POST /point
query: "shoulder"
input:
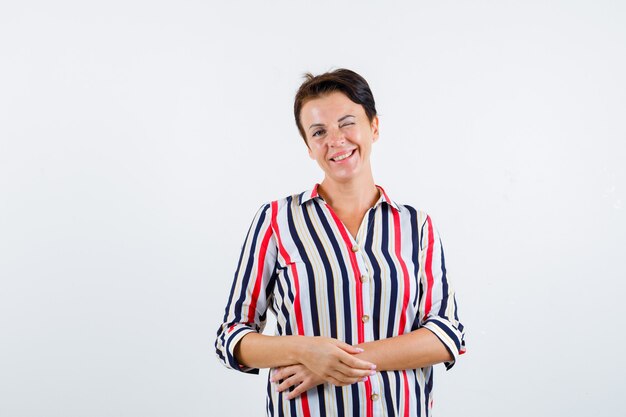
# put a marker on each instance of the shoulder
(416, 214)
(285, 204)
(420, 222)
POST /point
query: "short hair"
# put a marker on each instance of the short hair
(342, 80)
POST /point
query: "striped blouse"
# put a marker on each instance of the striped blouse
(300, 262)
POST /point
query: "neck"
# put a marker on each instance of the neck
(356, 195)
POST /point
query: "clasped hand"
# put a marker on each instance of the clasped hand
(322, 359)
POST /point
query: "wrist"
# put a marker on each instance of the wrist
(296, 349)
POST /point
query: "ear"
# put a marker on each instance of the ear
(374, 126)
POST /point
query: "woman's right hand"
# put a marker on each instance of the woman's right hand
(334, 361)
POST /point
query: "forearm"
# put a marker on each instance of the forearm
(330, 359)
(262, 351)
(413, 350)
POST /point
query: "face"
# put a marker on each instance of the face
(339, 136)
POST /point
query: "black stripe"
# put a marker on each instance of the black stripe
(292, 406)
(418, 392)
(393, 273)
(340, 405)
(283, 308)
(321, 399)
(391, 411)
(281, 404)
(427, 389)
(414, 250)
(328, 272)
(356, 411)
(396, 375)
(345, 278)
(444, 285)
(269, 405)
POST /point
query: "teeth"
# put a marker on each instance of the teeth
(342, 157)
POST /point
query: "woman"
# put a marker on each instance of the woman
(357, 282)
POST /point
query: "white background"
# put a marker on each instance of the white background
(137, 139)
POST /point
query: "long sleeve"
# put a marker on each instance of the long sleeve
(437, 304)
(250, 293)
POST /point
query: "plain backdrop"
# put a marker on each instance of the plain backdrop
(137, 140)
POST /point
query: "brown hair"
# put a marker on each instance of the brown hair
(343, 80)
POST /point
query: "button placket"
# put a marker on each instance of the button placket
(365, 280)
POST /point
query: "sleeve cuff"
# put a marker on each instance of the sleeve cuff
(234, 336)
(449, 336)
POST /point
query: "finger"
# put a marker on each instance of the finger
(343, 381)
(356, 363)
(349, 348)
(347, 379)
(353, 372)
(299, 390)
(287, 383)
(283, 372)
(339, 383)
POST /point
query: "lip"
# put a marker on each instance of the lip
(349, 151)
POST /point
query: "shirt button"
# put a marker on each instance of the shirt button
(375, 397)
(365, 318)
(364, 278)
(355, 248)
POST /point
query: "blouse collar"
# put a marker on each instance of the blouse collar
(384, 198)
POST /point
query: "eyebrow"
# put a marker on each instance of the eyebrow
(322, 124)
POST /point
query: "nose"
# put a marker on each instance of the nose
(336, 137)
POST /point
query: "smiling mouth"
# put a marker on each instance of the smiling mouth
(342, 157)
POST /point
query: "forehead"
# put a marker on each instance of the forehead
(329, 106)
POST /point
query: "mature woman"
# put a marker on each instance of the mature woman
(357, 281)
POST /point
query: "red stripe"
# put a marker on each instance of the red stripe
(314, 192)
(429, 269)
(384, 194)
(296, 301)
(359, 301)
(259, 275)
(406, 394)
(405, 271)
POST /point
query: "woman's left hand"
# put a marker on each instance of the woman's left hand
(295, 375)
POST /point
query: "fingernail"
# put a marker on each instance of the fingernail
(373, 366)
(363, 379)
(373, 373)
(360, 350)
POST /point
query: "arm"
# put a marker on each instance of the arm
(437, 335)
(240, 344)
(250, 293)
(330, 359)
(417, 349)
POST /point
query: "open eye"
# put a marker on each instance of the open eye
(318, 133)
